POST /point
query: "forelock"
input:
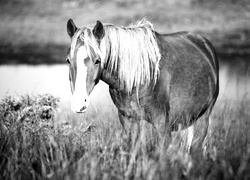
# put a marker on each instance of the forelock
(90, 42)
(74, 42)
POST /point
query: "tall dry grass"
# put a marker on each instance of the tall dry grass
(34, 146)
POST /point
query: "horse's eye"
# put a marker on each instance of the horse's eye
(97, 61)
(68, 61)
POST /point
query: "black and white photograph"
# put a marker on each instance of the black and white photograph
(124, 89)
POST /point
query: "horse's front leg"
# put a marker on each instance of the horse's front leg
(131, 129)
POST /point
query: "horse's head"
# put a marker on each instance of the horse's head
(84, 64)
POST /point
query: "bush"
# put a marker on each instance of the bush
(33, 113)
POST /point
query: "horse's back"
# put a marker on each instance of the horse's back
(189, 76)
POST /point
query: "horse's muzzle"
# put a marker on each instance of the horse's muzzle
(81, 110)
(79, 106)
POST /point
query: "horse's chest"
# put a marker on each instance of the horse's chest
(128, 105)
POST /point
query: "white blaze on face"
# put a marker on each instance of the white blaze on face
(79, 101)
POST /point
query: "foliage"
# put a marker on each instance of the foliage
(31, 114)
(30, 149)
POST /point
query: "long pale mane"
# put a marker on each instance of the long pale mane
(130, 51)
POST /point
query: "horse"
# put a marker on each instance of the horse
(165, 79)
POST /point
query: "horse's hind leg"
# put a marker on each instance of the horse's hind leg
(186, 137)
(201, 130)
(190, 136)
(164, 134)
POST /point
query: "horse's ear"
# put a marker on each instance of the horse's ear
(98, 30)
(71, 28)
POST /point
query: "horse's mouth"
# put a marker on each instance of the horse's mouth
(82, 110)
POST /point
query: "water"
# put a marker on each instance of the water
(234, 82)
(24, 79)
(19, 80)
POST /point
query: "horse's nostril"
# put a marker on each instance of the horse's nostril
(83, 108)
(85, 100)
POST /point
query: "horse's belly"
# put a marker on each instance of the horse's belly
(190, 99)
(190, 92)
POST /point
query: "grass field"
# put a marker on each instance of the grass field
(34, 144)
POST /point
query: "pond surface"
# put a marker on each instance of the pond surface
(24, 79)
(19, 80)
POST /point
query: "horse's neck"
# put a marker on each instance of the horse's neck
(113, 81)
(110, 78)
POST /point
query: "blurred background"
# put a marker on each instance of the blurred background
(33, 39)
